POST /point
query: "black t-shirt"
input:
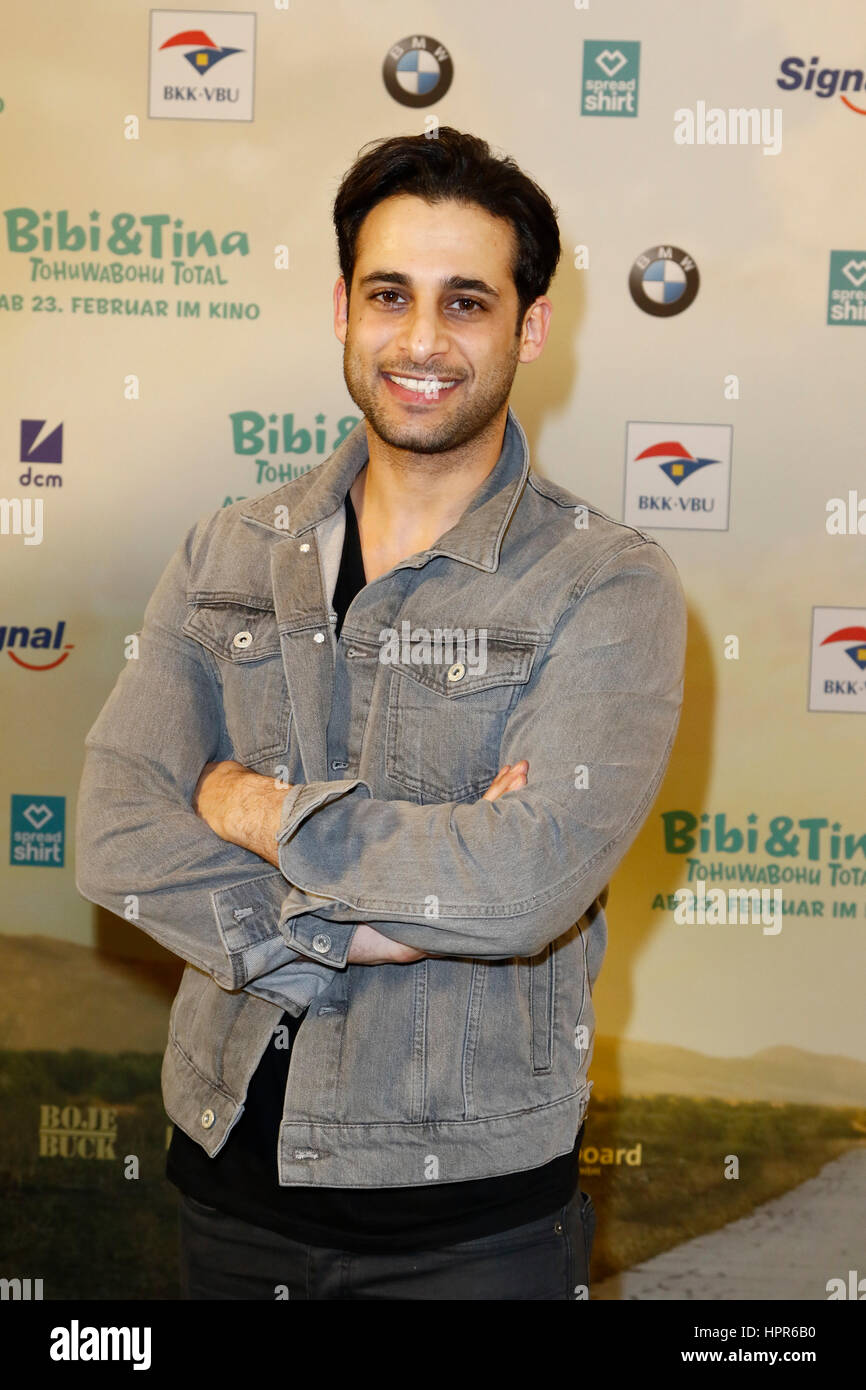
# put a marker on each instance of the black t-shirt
(242, 1179)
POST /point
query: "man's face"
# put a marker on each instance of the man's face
(432, 299)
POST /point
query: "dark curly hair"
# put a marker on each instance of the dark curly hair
(461, 167)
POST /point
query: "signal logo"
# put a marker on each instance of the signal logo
(846, 83)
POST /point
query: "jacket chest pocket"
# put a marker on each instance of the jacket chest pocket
(246, 644)
(446, 720)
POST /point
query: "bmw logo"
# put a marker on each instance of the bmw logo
(418, 71)
(663, 281)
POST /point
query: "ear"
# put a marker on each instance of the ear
(536, 326)
(341, 309)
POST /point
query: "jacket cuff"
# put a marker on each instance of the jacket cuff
(300, 801)
(247, 920)
(310, 935)
(296, 986)
(302, 930)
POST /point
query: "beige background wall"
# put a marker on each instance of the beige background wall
(137, 472)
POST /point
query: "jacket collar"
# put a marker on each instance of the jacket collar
(475, 538)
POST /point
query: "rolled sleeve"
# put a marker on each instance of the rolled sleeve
(306, 797)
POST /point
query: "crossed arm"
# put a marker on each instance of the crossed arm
(244, 808)
(229, 881)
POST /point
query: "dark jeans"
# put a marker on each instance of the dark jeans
(223, 1257)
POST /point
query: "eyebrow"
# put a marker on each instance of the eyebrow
(451, 282)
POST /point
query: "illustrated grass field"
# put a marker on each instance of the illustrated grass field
(90, 1232)
(680, 1191)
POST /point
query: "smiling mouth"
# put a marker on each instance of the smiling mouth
(422, 387)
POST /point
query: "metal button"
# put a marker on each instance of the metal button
(318, 636)
(242, 639)
(305, 547)
(457, 671)
(558, 1228)
(207, 1119)
(322, 943)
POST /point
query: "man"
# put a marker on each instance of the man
(392, 728)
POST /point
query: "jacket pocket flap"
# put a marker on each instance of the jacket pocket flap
(234, 631)
(457, 668)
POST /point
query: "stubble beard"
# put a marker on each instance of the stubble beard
(430, 435)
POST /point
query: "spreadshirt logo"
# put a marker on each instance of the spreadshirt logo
(610, 78)
(846, 293)
(38, 831)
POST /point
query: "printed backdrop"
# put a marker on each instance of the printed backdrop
(166, 269)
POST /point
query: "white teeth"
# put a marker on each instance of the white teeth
(427, 386)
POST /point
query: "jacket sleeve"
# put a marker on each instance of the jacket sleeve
(500, 878)
(141, 850)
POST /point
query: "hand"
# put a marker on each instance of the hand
(370, 947)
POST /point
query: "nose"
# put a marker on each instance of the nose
(422, 332)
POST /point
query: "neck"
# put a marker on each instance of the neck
(405, 501)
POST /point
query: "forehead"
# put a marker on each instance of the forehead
(436, 239)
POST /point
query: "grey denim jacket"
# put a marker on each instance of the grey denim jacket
(471, 1062)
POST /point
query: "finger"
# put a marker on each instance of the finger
(517, 773)
(494, 793)
(512, 771)
(515, 781)
(498, 783)
(508, 778)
